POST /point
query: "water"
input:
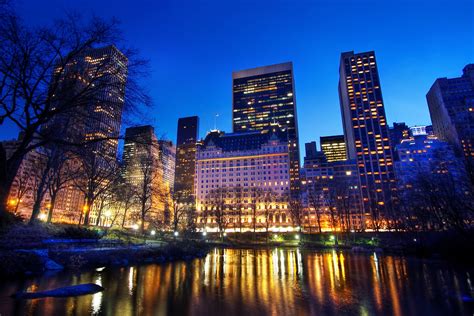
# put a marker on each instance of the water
(259, 282)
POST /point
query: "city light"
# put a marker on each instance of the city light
(135, 226)
(176, 234)
(204, 233)
(153, 232)
(297, 237)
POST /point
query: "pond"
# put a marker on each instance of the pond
(260, 282)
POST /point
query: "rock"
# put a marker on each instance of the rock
(52, 265)
(68, 291)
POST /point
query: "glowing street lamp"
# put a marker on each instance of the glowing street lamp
(176, 234)
(297, 237)
(204, 233)
(153, 232)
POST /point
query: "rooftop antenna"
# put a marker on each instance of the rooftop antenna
(215, 121)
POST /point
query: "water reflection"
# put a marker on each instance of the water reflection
(259, 282)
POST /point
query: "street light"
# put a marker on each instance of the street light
(153, 232)
(297, 237)
(204, 233)
(135, 226)
(176, 234)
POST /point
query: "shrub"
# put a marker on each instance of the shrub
(75, 232)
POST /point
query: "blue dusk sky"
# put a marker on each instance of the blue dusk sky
(193, 47)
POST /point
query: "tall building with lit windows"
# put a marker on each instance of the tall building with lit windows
(334, 147)
(451, 104)
(264, 96)
(366, 133)
(95, 81)
(187, 137)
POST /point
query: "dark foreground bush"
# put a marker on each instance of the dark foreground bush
(76, 232)
(14, 264)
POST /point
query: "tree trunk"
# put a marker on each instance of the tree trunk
(51, 207)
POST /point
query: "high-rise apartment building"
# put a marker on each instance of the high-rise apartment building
(187, 137)
(451, 104)
(366, 132)
(264, 96)
(334, 147)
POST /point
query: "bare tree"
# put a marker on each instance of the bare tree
(217, 203)
(296, 210)
(95, 178)
(62, 173)
(269, 198)
(178, 212)
(34, 65)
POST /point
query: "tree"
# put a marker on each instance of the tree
(34, 65)
(316, 200)
(296, 210)
(148, 190)
(96, 177)
(178, 212)
(62, 173)
(269, 199)
(217, 204)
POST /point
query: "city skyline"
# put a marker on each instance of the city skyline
(315, 66)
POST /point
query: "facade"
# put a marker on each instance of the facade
(264, 96)
(366, 133)
(142, 166)
(243, 181)
(167, 158)
(187, 137)
(425, 154)
(334, 148)
(451, 104)
(420, 130)
(398, 132)
(94, 121)
(331, 194)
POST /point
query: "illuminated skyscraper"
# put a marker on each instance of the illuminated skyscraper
(334, 147)
(188, 133)
(366, 132)
(451, 104)
(263, 96)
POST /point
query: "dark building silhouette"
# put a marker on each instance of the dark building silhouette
(366, 132)
(451, 104)
(263, 96)
(187, 136)
(334, 147)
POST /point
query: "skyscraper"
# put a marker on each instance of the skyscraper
(95, 80)
(366, 132)
(91, 90)
(187, 136)
(263, 96)
(168, 157)
(334, 147)
(451, 104)
(140, 144)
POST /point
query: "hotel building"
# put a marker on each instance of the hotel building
(246, 177)
(264, 96)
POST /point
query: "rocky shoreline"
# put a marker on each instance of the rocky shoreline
(29, 262)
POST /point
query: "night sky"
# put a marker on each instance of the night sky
(194, 46)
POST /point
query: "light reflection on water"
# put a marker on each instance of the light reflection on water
(259, 282)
